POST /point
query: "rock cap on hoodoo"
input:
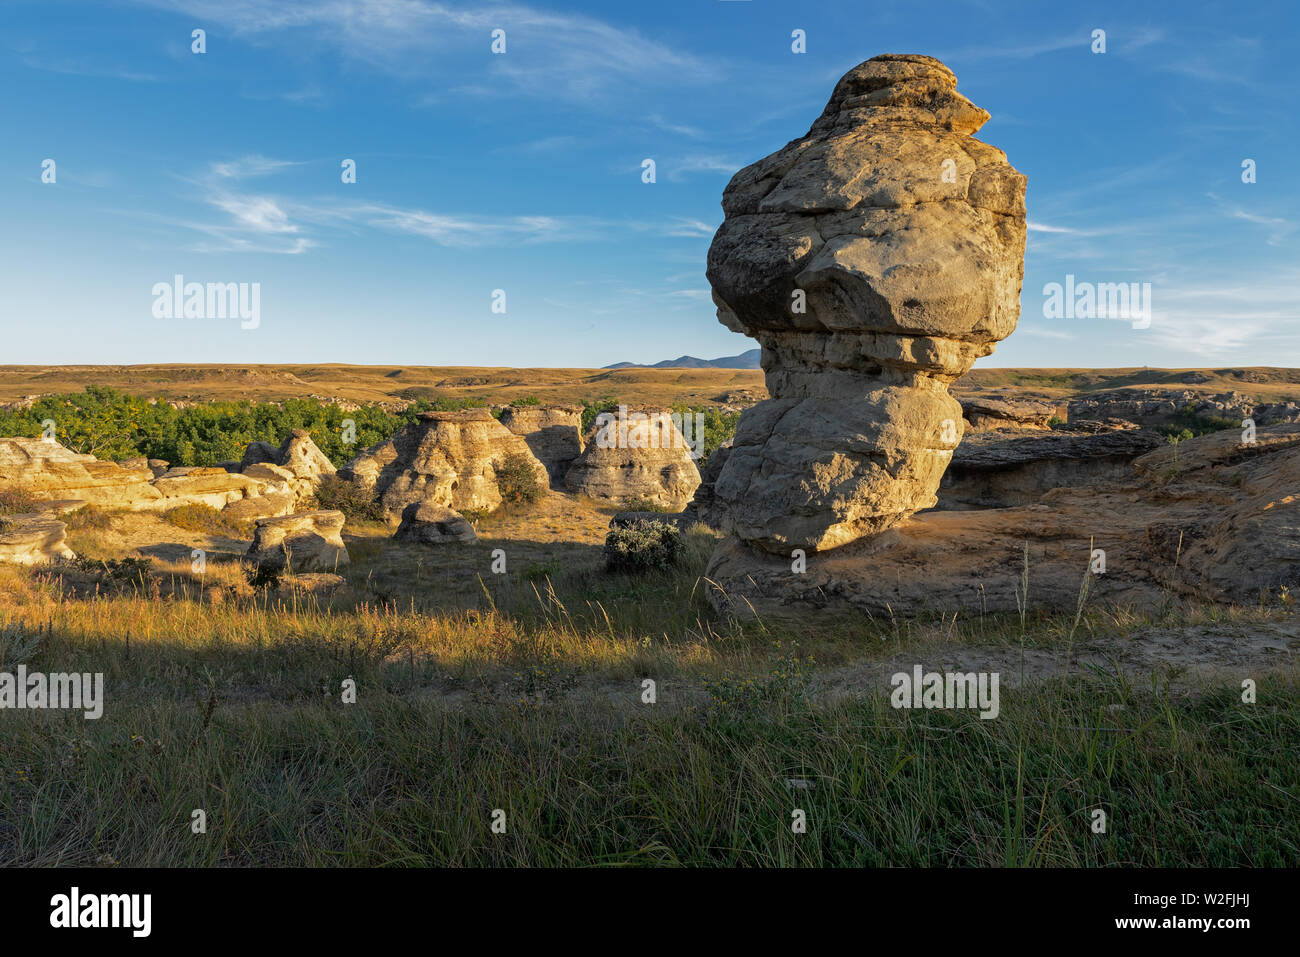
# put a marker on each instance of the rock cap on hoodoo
(903, 88)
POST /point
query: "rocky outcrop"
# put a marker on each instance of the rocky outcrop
(301, 542)
(297, 454)
(431, 524)
(48, 471)
(993, 412)
(1164, 406)
(704, 502)
(1211, 519)
(553, 433)
(875, 259)
(636, 456)
(33, 539)
(999, 469)
(444, 458)
(290, 475)
(201, 486)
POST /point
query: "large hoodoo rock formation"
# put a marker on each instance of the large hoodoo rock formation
(445, 458)
(875, 259)
(636, 456)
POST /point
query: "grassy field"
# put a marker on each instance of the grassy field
(664, 387)
(523, 692)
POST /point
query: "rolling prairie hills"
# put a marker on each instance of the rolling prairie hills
(367, 384)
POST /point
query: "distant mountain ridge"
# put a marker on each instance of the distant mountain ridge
(746, 360)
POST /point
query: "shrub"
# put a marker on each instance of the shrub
(15, 501)
(517, 479)
(715, 429)
(592, 409)
(117, 574)
(642, 546)
(354, 501)
(206, 519)
(88, 516)
(643, 505)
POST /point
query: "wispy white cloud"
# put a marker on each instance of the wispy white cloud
(1034, 227)
(249, 166)
(566, 55)
(261, 221)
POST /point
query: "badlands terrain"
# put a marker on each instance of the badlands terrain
(525, 677)
(369, 616)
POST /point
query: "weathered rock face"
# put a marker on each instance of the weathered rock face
(33, 539)
(303, 541)
(201, 486)
(298, 454)
(445, 458)
(1212, 519)
(1001, 469)
(875, 259)
(642, 457)
(47, 470)
(433, 525)
(553, 433)
(289, 475)
(989, 412)
(703, 503)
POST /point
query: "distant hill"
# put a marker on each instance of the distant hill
(746, 360)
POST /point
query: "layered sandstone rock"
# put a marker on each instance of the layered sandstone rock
(303, 541)
(1000, 469)
(991, 413)
(636, 457)
(290, 475)
(200, 486)
(47, 470)
(1213, 519)
(297, 454)
(444, 458)
(553, 433)
(875, 259)
(431, 524)
(33, 539)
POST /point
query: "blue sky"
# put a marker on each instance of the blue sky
(522, 171)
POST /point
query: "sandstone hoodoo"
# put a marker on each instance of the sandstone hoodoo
(33, 539)
(875, 259)
(301, 542)
(445, 458)
(553, 433)
(431, 524)
(636, 457)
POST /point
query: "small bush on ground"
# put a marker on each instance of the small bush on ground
(352, 500)
(86, 517)
(642, 505)
(642, 546)
(206, 519)
(517, 481)
(15, 501)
